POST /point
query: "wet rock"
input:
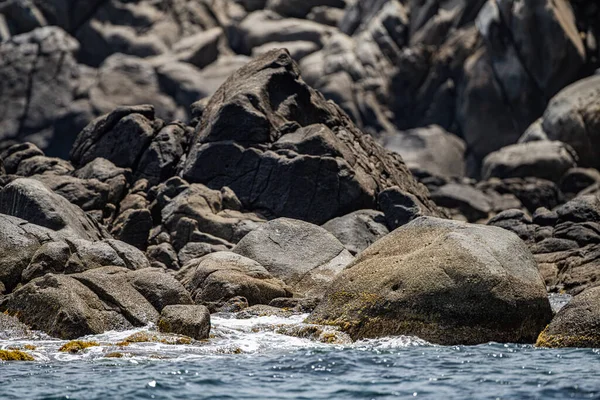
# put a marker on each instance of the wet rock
(541, 159)
(576, 324)
(486, 288)
(358, 230)
(32, 201)
(304, 256)
(189, 320)
(63, 307)
(219, 277)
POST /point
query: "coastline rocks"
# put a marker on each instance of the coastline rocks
(540, 159)
(216, 278)
(431, 149)
(358, 230)
(304, 256)
(188, 320)
(444, 281)
(32, 201)
(38, 84)
(272, 139)
(572, 117)
(93, 302)
(577, 324)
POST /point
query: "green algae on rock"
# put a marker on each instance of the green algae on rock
(577, 324)
(444, 281)
(77, 346)
(15, 355)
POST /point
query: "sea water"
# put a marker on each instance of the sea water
(249, 359)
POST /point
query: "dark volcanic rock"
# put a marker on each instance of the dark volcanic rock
(444, 281)
(342, 169)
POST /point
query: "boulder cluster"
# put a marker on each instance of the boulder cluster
(394, 167)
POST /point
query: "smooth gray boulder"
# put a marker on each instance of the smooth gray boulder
(304, 256)
(358, 230)
(34, 202)
(432, 149)
(219, 277)
(572, 117)
(444, 281)
(540, 159)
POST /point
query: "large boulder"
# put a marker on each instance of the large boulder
(219, 277)
(304, 256)
(272, 139)
(540, 159)
(93, 302)
(189, 320)
(572, 117)
(34, 202)
(447, 282)
(577, 324)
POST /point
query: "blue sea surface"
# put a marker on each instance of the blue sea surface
(275, 366)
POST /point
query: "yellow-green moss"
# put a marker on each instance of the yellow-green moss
(114, 355)
(145, 337)
(77, 346)
(548, 340)
(14, 355)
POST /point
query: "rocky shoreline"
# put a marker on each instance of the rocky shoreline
(393, 168)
